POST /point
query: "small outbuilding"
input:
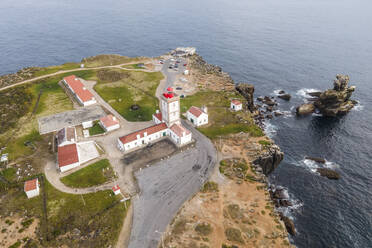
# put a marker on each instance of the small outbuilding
(236, 105)
(31, 188)
(116, 189)
(109, 123)
(197, 116)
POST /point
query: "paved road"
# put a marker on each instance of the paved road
(165, 186)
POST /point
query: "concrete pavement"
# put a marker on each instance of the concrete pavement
(165, 186)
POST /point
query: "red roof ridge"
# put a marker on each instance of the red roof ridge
(179, 129)
(150, 130)
(67, 155)
(31, 185)
(195, 111)
(78, 88)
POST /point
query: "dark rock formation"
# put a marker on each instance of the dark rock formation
(289, 225)
(336, 101)
(278, 113)
(331, 102)
(285, 97)
(247, 91)
(269, 116)
(314, 94)
(270, 159)
(318, 160)
(282, 92)
(269, 108)
(260, 99)
(305, 109)
(330, 174)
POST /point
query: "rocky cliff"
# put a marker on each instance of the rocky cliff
(269, 160)
(247, 90)
(331, 102)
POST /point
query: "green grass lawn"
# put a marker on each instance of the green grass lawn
(92, 175)
(96, 129)
(133, 66)
(108, 59)
(100, 212)
(52, 69)
(222, 120)
(136, 88)
(22, 122)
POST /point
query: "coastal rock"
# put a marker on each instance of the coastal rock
(260, 99)
(269, 116)
(330, 174)
(315, 94)
(269, 108)
(278, 113)
(270, 159)
(336, 101)
(285, 97)
(289, 225)
(247, 90)
(281, 92)
(305, 109)
(318, 160)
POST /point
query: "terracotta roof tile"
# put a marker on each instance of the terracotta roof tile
(195, 111)
(159, 116)
(179, 129)
(109, 121)
(236, 102)
(67, 155)
(150, 130)
(115, 188)
(78, 87)
(31, 184)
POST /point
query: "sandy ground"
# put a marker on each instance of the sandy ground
(239, 204)
(11, 230)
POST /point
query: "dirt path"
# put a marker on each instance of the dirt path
(125, 230)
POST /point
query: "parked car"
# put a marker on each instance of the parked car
(184, 64)
(179, 88)
(170, 67)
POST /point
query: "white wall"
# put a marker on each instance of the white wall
(180, 140)
(68, 167)
(142, 141)
(236, 107)
(33, 193)
(197, 121)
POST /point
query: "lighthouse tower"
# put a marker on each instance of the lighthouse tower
(170, 107)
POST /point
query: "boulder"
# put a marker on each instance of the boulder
(281, 92)
(270, 159)
(330, 174)
(285, 97)
(269, 116)
(260, 99)
(289, 225)
(278, 113)
(318, 160)
(269, 108)
(336, 101)
(247, 90)
(305, 109)
(134, 107)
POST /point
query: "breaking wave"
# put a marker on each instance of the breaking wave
(312, 166)
(303, 93)
(269, 129)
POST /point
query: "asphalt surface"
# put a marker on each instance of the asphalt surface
(165, 186)
(171, 74)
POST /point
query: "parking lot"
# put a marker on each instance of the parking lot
(53, 123)
(150, 154)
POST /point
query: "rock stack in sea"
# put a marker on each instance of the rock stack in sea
(247, 90)
(332, 102)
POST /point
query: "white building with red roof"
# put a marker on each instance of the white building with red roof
(142, 137)
(67, 158)
(116, 190)
(167, 123)
(31, 188)
(66, 136)
(236, 105)
(197, 116)
(84, 96)
(179, 134)
(109, 123)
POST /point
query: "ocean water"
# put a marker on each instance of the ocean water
(294, 45)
